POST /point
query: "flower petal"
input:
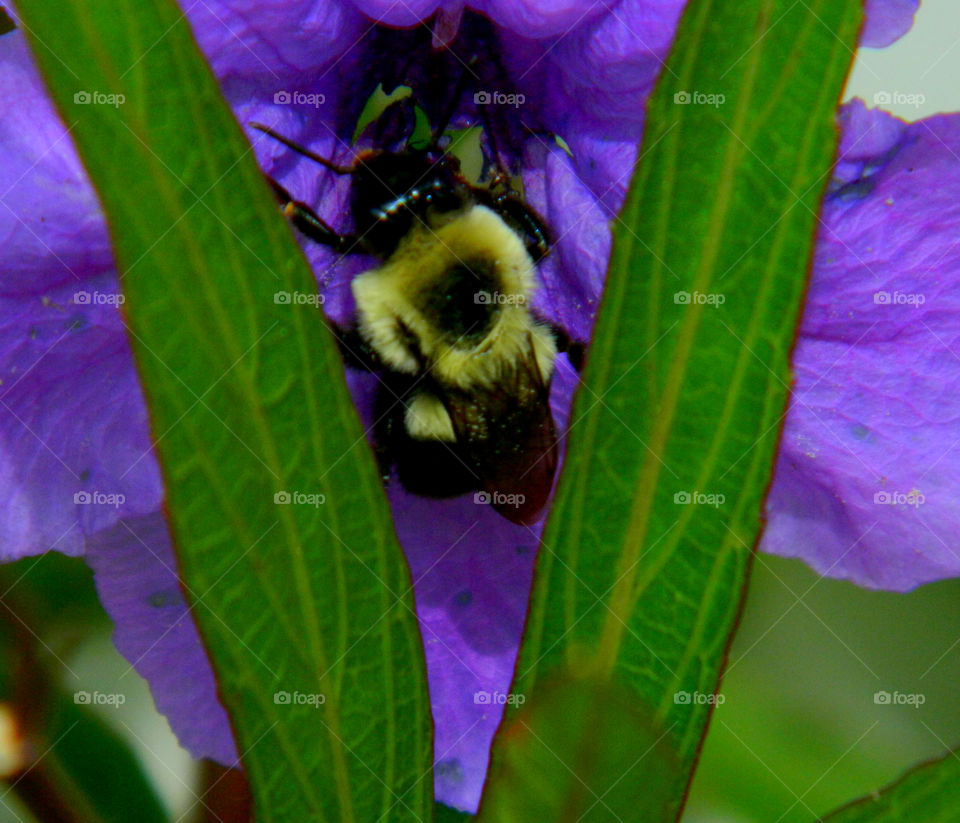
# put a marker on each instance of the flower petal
(399, 13)
(50, 221)
(472, 571)
(869, 465)
(540, 19)
(74, 446)
(265, 43)
(135, 573)
(886, 21)
(74, 441)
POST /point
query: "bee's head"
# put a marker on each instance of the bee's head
(391, 191)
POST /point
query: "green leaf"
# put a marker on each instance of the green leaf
(444, 814)
(673, 436)
(465, 145)
(91, 768)
(377, 103)
(422, 134)
(79, 769)
(577, 755)
(31, 584)
(305, 606)
(925, 794)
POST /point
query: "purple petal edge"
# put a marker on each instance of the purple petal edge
(886, 21)
(866, 478)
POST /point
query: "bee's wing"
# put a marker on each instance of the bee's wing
(508, 434)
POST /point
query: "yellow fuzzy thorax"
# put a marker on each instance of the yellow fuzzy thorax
(391, 295)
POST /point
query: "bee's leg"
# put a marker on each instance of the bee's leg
(388, 412)
(357, 353)
(310, 223)
(527, 221)
(575, 350)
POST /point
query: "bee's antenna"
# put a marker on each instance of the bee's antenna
(327, 164)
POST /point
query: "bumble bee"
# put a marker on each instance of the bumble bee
(445, 322)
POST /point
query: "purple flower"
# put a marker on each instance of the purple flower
(873, 413)
(868, 472)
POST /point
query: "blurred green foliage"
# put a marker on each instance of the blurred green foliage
(76, 767)
(799, 733)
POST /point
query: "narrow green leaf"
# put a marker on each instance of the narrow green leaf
(925, 794)
(673, 435)
(577, 755)
(283, 534)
